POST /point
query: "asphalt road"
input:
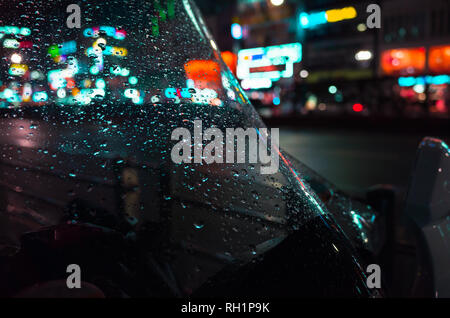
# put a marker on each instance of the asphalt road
(354, 160)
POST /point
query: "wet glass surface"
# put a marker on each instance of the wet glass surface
(85, 137)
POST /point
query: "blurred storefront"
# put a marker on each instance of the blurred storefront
(415, 53)
(335, 51)
(320, 57)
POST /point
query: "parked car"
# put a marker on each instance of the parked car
(86, 176)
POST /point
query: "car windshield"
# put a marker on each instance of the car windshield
(88, 115)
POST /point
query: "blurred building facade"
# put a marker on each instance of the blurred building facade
(415, 55)
(401, 69)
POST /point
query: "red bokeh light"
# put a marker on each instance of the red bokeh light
(358, 108)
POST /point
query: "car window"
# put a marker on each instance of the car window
(87, 117)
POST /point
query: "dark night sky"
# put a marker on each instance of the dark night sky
(213, 6)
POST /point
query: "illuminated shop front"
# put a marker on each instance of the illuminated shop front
(422, 77)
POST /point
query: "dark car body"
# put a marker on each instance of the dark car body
(89, 180)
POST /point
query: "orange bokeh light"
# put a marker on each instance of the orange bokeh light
(204, 73)
(230, 60)
(403, 61)
(439, 59)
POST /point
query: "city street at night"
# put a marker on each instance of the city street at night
(354, 160)
(225, 156)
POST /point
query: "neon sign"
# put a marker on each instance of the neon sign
(422, 80)
(273, 62)
(256, 83)
(310, 20)
(337, 15)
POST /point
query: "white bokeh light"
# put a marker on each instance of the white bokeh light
(277, 2)
(16, 58)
